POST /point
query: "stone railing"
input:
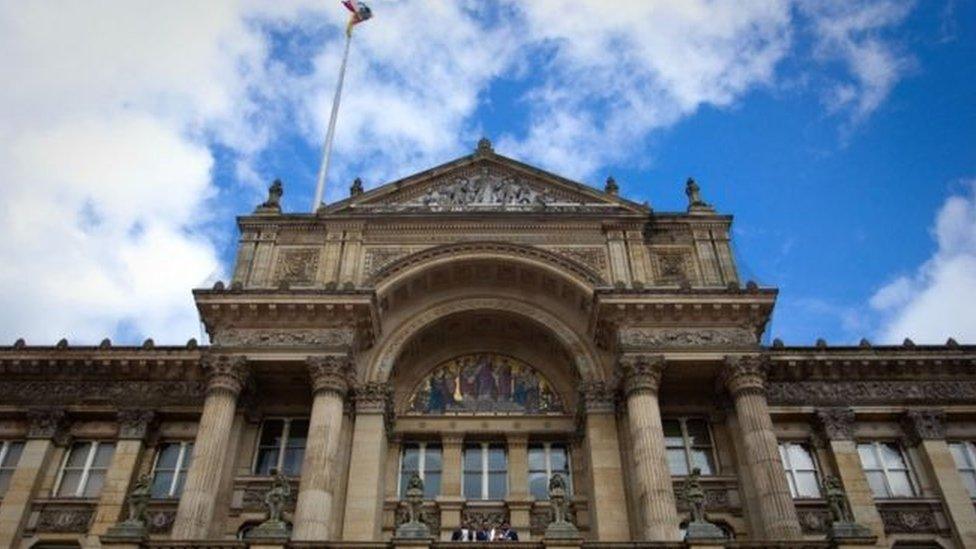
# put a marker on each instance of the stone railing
(61, 516)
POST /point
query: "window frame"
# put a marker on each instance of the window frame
(884, 470)
(283, 447)
(791, 471)
(686, 446)
(421, 465)
(969, 451)
(85, 469)
(547, 450)
(186, 454)
(5, 445)
(484, 470)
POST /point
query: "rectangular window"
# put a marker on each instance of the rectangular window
(485, 471)
(965, 456)
(425, 460)
(281, 446)
(689, 445)
(10, 451)
(547, 459)
(83, 470)
(801, 469)
(169, 470)
(887, 469)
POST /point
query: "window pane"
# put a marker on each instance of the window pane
(783, 455)
(557, 456)
(900, 484)
(5, 480)
(69, 483)
(79, 454)
(432, 459)
(432, 485)
(94, 487)
(472, 485)
(800, 457)
(676, 462)
(969, 479)
(892, 456)
(537, 458)
(698, 432)
(703, 460)
(404, 479)
(297, 433)
(496, 485)
(292, 464)
(672, 433)
(472, 458)
(161, 483)
(792, 483)
(168, 456)
(13, 454)
(959, 455)
(539, 486)
(877, 483)
(187, 457)
(180, 480)
(267, 460)
(496, 459)
(868, 460)
(411, 458)
(807, 485)
(103, 456)
(271, 432)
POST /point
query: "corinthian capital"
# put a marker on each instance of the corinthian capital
(134, 424)
(225, 372)
(329, 373)
(374, 397)
(597, 396)
(641, 373)
(836, 423)
(744, 374)
(922, 425)
(47, 423)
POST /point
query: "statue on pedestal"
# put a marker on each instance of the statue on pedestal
(560, 527)
(694, 496)
(275, 499)
(842, 525)
(134, 527)
(273, 203)
(414, 528)
(693, 192)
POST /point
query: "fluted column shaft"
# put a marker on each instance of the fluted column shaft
(313, 512)
(225, 379)
(642, 378)
(745, 379)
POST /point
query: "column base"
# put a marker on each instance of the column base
(850, 534)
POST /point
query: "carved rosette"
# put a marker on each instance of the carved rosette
(47, 423)
(836, 423)
(225, 373)
(920, 425)
(745, 375)
(641, 373)
(597, 396)
(329, 374)
(135, 424)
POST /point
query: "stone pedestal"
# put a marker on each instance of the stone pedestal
(400, 543)
(271, 531)
(450, 507)
(608, 509)
(520, 516)
(703, 532)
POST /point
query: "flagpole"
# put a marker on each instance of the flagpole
(330, 134)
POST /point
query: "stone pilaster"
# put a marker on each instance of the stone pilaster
(45, 428)
(519, 501)
(226, 376)
(926, 430)
(134, 426)
(745, 378)
(608, 503)
(313, 512)
(836, 427)
(362, 520)
(450, 500)
(658, 511)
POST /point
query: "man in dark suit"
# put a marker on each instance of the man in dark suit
(483, 533)
(506, 533)
(464, 533)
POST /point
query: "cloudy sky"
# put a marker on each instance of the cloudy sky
(841, 134)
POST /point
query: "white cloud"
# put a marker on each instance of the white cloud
(936, 302)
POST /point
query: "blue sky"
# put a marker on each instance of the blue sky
(841, 135)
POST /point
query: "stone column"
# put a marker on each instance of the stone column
(313, 511)
(745, 378)
(518, 500)
(658, 511)
(608, 502)
(836, 426)
(133, 427)
(450, 500)
(363, 518)
(47, 428)
(925, 429)
(225, 379)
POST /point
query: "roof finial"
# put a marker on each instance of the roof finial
(356, 187)
(693, 191)
(273, 203)
(611, 186)
(484, 147)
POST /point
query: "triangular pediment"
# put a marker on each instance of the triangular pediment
(484, 182)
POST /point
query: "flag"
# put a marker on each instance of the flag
(359, 12)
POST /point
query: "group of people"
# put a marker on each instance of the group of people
(468, 532)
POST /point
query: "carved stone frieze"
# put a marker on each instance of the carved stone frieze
(65, 519)
(135, 424)
(814, 521)
(160, 521)
(919, 425)
(429, 515)
(252, 495)
(377, 258)
(673, 266)
(592, 257)
(836, 423)
(297, 266)
(280, 337)
(118, 393)
(918, 520)
(373, 397)
(598, 396)
(745, 374)
(641, 373)
(46, 423)
(716, 499)
(493, 517)
(225, 372)
(837, 393)
(330, 373)
(648, 337)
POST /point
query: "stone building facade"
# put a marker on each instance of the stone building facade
(486, 325)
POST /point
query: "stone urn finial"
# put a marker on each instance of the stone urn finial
(560, 527)
(414, 528)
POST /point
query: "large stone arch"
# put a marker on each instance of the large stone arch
(577, 346)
